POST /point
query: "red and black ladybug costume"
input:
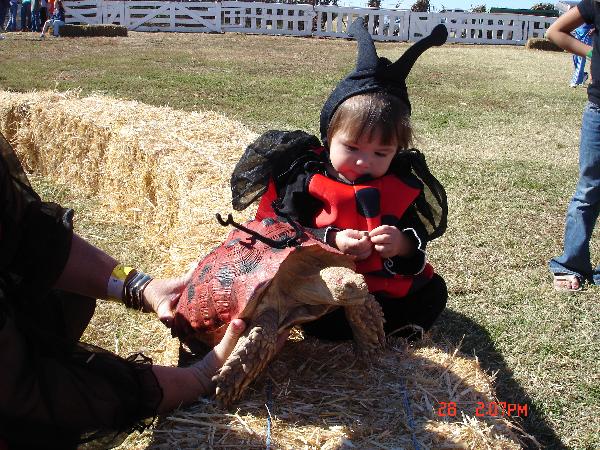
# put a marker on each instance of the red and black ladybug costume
(359, 206)
(407, 197)
(288, 172)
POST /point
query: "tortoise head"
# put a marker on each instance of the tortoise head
(338, 286)
(318, 275)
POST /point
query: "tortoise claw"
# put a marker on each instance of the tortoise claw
(366, 321)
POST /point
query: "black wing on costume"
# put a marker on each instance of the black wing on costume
(432, 205)
(270, 156)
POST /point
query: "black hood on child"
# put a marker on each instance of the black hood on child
(373, 73)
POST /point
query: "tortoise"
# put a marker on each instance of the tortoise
(273, 281)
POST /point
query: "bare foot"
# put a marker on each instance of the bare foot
(565, 282)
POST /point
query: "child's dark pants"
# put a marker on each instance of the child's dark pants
(421, 308)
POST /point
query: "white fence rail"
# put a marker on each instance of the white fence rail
(305, 20)
(267, 18)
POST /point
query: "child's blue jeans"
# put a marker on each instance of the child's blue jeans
(585, 205)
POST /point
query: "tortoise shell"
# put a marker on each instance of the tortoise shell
(229, 281)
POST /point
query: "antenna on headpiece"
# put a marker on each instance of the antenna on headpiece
(402, 67)
(374, 74)
(366, 59)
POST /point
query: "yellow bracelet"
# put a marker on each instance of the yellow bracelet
(114, 289)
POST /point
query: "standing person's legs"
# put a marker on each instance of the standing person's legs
(3, 10)
(28, 14)
(26, 17)
(584, 207)
(12, 18)
(35, 20)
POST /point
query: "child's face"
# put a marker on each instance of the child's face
(354, 159)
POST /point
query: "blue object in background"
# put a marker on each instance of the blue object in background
(583, 34)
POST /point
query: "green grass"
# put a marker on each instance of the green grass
(499, 126)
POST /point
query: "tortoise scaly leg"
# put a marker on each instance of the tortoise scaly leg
(250, 356)
(366, 321)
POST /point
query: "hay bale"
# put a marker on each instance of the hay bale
(168, 171)
(542, 44)
(108, 30)
(321, 398)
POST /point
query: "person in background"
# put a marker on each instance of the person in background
(583, 34)
(12, 15)
(4, 4)
(56, 20)
(574, 267)
(35, 16)
(43, 12)
(26, 15)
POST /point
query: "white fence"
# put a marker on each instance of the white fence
(305, 20)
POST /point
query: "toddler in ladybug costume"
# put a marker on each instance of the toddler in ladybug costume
(363, 190)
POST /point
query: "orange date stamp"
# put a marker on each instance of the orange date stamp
(486, 409)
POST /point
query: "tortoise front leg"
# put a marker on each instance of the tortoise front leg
(366, 321)
(252, 353)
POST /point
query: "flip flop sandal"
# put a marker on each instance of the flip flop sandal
(563, 281)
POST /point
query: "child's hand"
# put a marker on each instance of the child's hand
(390, 241)
(353, 242)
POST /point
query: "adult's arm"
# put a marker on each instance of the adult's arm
(88, 269)
(560, 32)
(86, 273)
(183, 385)
(46, 382)
(90, 391)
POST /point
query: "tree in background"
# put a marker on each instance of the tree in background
(420, 6)
(479, 9)
(543, 7)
